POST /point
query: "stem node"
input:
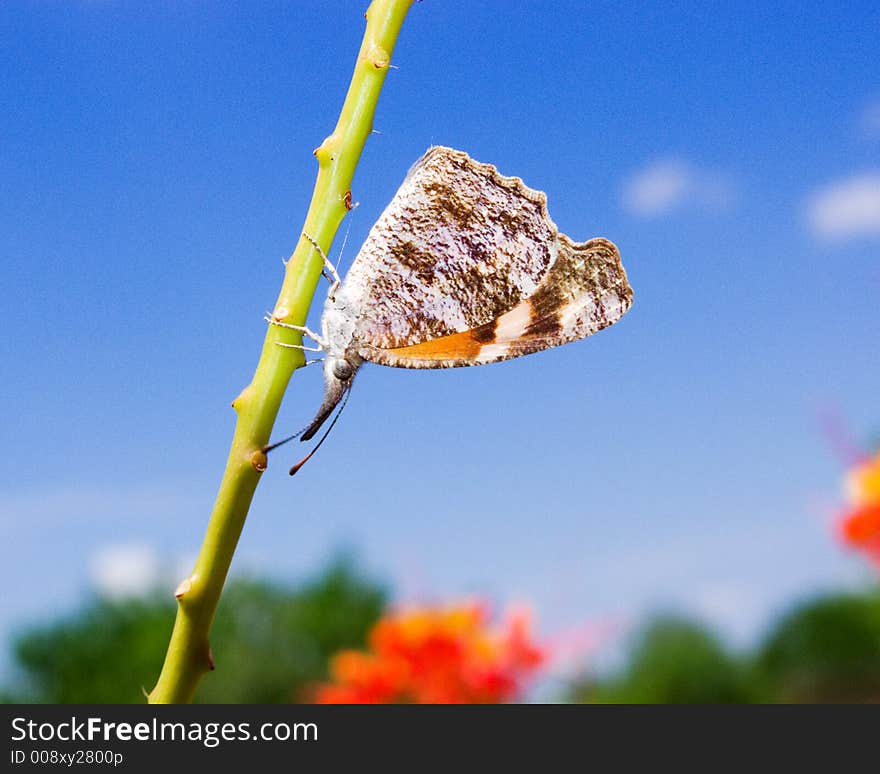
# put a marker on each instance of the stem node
(378, 57)
(280, 314)
(242, 398)
(259, 460)
(183, 588)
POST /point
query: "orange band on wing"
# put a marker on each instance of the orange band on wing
(457, 346)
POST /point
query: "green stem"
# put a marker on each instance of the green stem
(189, 656)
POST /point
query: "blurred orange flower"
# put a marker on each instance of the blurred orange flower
(860, 525)
(436, 655)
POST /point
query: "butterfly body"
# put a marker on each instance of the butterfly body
(464, 267)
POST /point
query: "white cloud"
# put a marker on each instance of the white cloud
(871, 119)
(125, 570)
(657, 188)
(669, 184)
(848, 208)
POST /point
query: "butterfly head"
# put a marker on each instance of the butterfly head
(339, 371)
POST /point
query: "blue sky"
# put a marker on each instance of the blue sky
(155, 167)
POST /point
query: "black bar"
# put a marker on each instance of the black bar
(410, 738)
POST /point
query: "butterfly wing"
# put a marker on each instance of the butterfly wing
(465, 266)
(584, 291)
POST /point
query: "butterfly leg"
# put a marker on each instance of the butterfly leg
(319, 340)
(329, 270)
(322, 344)
(300, 347)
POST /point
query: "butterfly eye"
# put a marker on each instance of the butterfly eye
(342, 370)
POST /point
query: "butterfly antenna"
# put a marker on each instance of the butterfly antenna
(344, 240)
(266, 449)
(304, 460)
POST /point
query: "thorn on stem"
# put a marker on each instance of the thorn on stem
(242, 396)
(210, 659)
(378, 57)
(347, 200)
(183, 587)
(326, 151)
(259, 461)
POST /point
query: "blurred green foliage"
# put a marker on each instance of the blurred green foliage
(674, 661)
(826, 650)
(272, 642)
(269, 643)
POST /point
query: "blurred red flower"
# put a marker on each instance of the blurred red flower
(436, 655)
(860, 525)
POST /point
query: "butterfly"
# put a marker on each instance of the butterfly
(464, 267)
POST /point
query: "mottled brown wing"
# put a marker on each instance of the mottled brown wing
(460, 248)
(584, 291)
(457, 246)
